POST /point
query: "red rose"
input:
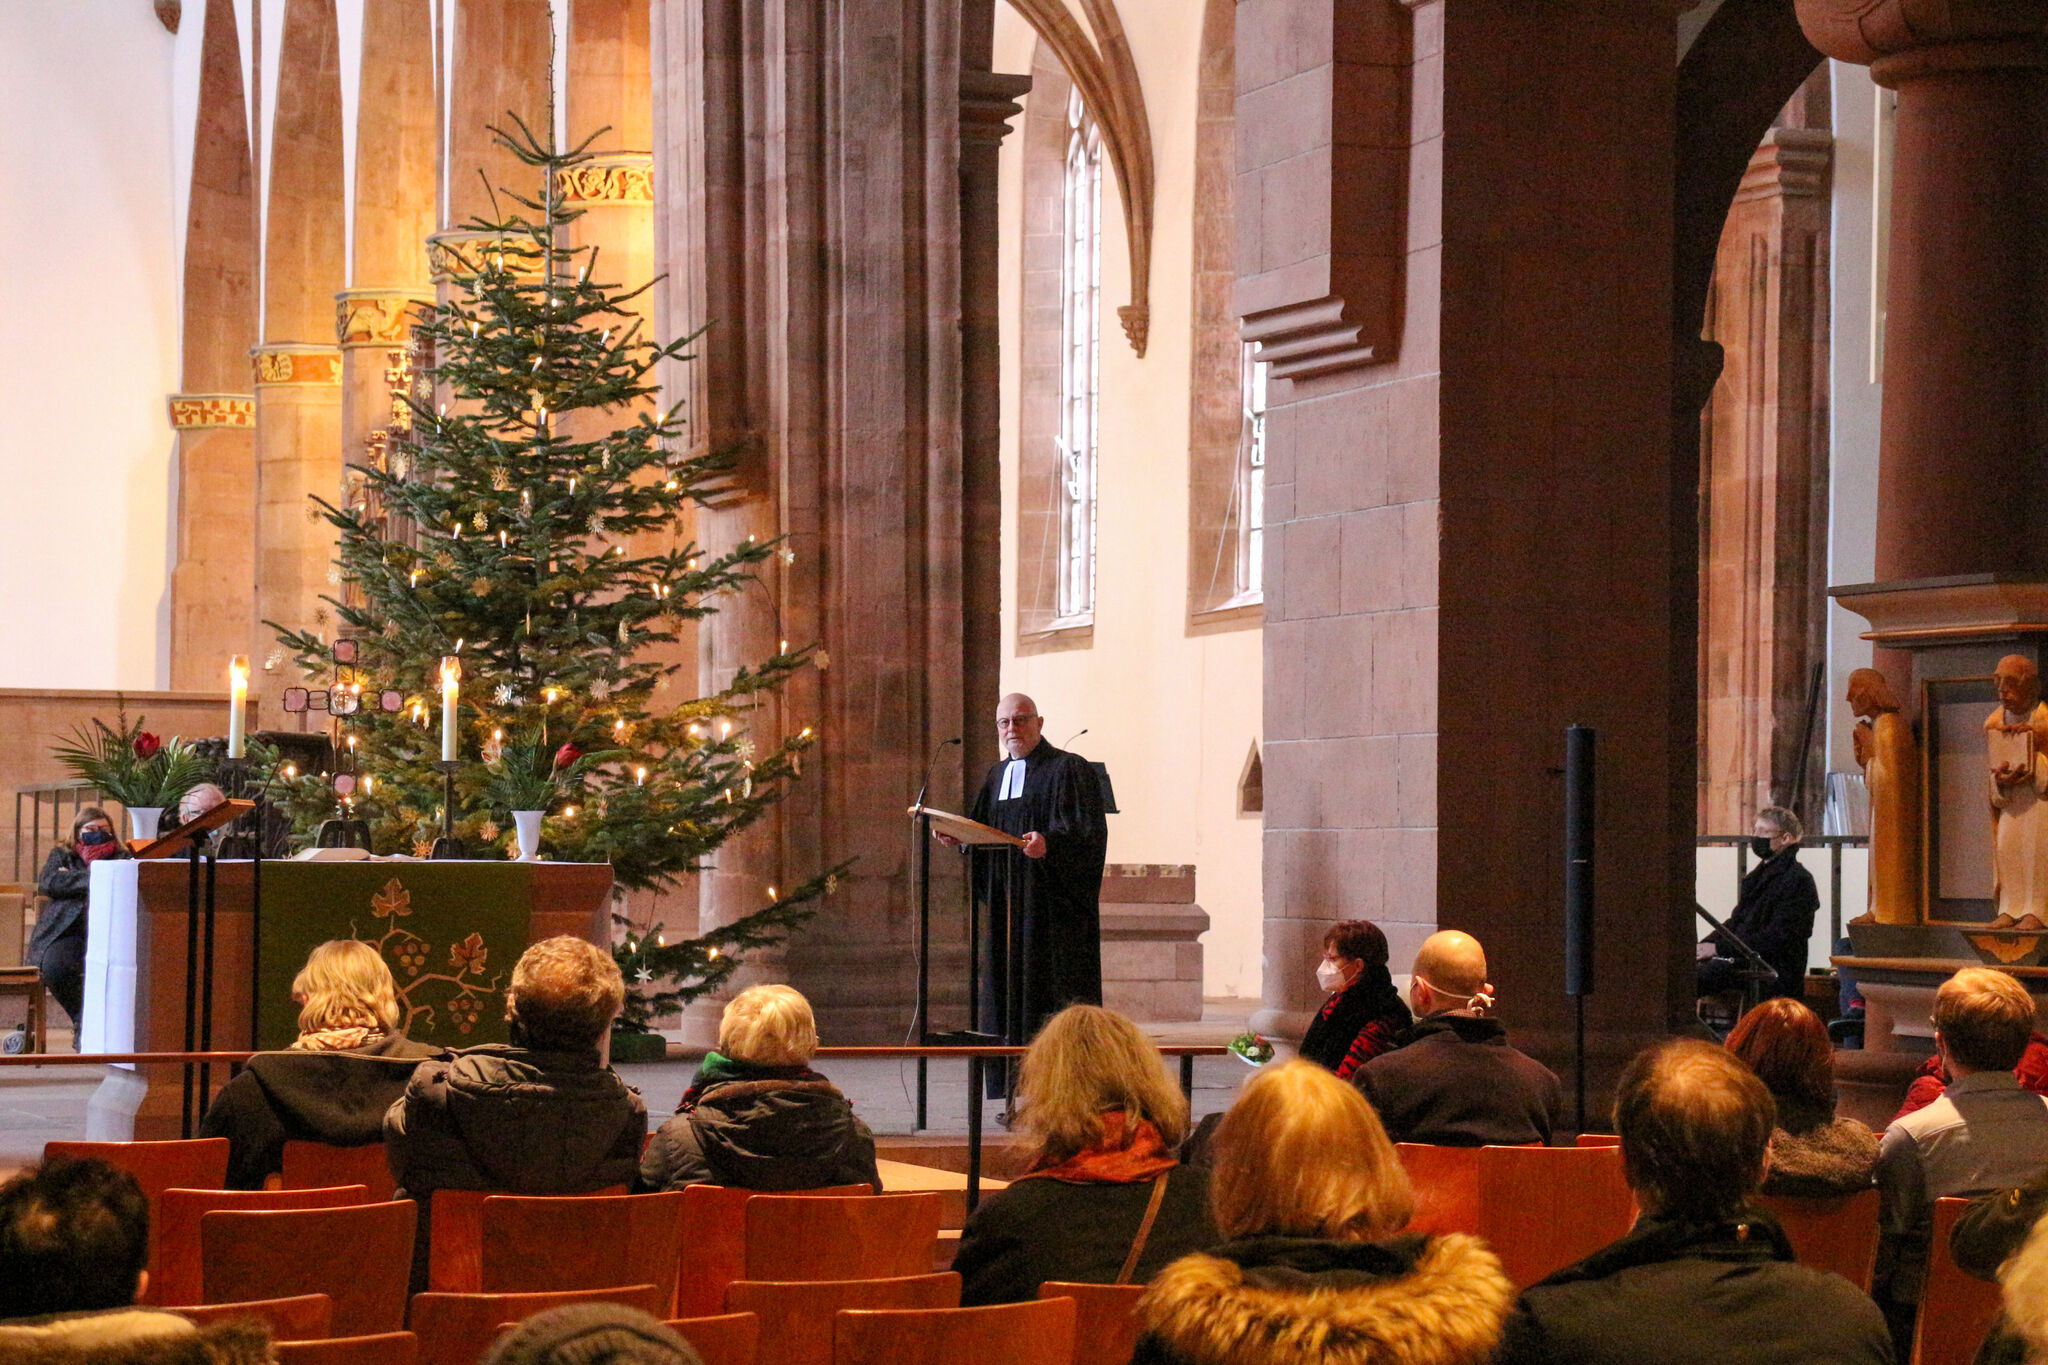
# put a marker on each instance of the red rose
(566, 755)
(146, 745)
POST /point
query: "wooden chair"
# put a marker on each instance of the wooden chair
(26, 982)
(455, 1254)
(1838, 1233)
(456, 1329)
(1542, 1208)
(303, 1317)
(360, 1256)
(585, 1242)
(715, 1242)
(384, 1348)
(1598, 1140)
(313, 1165)
(1105, 1319)
(722, 1339)
(197, 1164)
(797, 1317)
(1446, 1181)
(1040, 1333)
(876, 1236)
(174, 1271)
(1956, 1310)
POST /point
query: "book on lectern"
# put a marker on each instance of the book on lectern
(965, 830)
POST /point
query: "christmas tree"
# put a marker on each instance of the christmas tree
(507, 531)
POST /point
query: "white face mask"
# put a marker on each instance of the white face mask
(1329, 975)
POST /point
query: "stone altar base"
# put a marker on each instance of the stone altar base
(1899, 967)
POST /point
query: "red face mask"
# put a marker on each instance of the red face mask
(107, 846)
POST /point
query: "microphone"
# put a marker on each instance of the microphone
(926, 785)
(1076, 735)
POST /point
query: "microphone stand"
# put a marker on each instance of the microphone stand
(1759, 970)
(921, 831)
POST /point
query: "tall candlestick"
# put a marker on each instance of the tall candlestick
(238, 700)
(451, 681)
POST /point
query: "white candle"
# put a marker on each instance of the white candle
(451, 679)
(238, 700)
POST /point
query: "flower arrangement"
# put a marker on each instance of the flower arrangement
(1251, 1049)
(130, 765)
(529, 775)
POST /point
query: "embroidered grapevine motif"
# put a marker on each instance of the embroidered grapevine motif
(463, 984)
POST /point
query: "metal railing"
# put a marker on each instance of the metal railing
(37, 795)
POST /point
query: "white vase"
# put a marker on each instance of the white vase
(142, 821)
(527, 822)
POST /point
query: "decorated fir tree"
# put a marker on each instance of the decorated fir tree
(509, 531)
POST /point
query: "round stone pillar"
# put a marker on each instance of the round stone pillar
(298, 455)
(210, 617)
(1964, 446)
(374, 328)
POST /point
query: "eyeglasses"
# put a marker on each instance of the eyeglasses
(1012, 722)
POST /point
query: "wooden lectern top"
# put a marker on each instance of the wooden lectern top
(965, 830)
(173, 842)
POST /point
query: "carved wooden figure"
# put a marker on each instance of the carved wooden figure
(1891, 770)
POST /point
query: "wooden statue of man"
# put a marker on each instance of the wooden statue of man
(1891, 771)
(2015, 736)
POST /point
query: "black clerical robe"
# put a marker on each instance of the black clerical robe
(1056, 900)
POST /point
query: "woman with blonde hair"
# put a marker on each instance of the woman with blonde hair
(1313, 1200)
(1105, 1201)
(349, 1062)
(757, 1116)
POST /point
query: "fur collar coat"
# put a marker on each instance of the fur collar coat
(1296, 1301)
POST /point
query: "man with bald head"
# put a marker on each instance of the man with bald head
(1452, 1080)
(1051, 956)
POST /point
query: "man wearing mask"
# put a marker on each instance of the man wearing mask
(1773, 915)
(57, 947)
(1452, 1080)
(1364, 1014)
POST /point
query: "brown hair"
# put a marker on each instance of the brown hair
(1784, 821)
(1302, 1154)
(1695, 1124)
(1359, 939)
(1086, 1061)
(86, 815)
(345, 984)
(1787, 1046)
(565, 994)
(1984, 1018)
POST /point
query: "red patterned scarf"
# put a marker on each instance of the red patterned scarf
(1119, 1159)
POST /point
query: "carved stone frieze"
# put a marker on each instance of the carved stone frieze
(212, 411)
(612, 178)
(457, 252)
(295, 364)
(377, 317)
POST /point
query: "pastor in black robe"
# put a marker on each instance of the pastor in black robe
(1056, 900)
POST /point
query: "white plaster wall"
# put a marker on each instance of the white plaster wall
(1173, 715)
(88, 343)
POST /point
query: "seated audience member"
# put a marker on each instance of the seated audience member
(757, 1116)
(592, 1334)
(1813, 1153)
(56, 947)
(2031, 1071)
(349, 1062)
(2021, 1334)
(1364, 1013)
(1984, 1134)
(1105, 1200)
(1452, 1079)
(543, 1114)
(74, 1238)
(1773, 914)
(1313, 1200)
(1702, 1279)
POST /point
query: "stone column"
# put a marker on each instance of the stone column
(1964, 442)
(298, 455)
(374, 329)
(210, 617)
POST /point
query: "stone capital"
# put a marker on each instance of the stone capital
(295, 363)
(988, 101)
(1899, 39)
(212, 411)
(458, 251)
(608, 178)
(378, 317)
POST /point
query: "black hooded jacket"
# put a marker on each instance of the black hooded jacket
(334, 1097)
(762, 1128)
(1454, 1081)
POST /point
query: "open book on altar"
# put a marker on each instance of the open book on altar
(965, 830)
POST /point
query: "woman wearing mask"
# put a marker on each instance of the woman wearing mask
(1364, 1013)
(57, 947)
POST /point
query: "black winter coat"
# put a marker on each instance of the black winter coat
(1774, 916)
(763, 1133)
(1455, 1082)
(338, 1098)
(67, 881)
(1334, 1032)
(1044, 1229)
(1685, 1294)
(1297, 1301)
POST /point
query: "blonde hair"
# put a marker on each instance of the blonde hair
(2024, 1282)
(565, 994)
(1985, 1019)
(345, 984)
(1088, 1060)
(1302, 1154)
(769, 1026)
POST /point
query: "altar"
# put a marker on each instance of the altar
(449, 929)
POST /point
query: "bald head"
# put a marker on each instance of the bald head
(1018, 724)
(1450, 969)
(2019, 682)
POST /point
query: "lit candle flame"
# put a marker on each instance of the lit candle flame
(639, 777)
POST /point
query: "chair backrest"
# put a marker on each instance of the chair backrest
(796, 1317)
(455, 1251)
(384, 1348)
(722, 1338)
(715, 1242)
(1956, 1309)
(584, 1242)
(197, 1164)
(1040, 1333)
(302, 1317)
(1542, 1208)
(455, 1329)
(1105, 1319)
(1446, 1181)
(1599, 1140)
(1837, 1233)
(174, 1272)
(360, 1256)
(311, 1165)
(874, 1236)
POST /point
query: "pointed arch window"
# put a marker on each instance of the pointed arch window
(1080, 364)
